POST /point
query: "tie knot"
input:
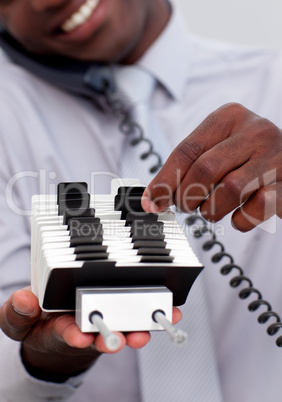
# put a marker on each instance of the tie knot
(134, 83)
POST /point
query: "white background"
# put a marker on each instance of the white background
(256, 22)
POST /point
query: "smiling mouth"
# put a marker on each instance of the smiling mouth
(80, 16)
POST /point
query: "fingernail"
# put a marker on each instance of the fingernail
(149, 206)
(22, 307)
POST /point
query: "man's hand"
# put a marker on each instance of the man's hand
(53, 347)
(233, 160)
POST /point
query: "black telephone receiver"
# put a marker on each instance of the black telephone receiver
(82, 78)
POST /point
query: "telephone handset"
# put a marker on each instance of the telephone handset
(87, 79)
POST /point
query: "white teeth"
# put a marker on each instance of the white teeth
(80, 16)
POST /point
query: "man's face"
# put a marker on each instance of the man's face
(101, 30)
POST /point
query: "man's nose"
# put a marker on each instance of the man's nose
(42, 5)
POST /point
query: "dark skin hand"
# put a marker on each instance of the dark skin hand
(53, 347)
(231, 161)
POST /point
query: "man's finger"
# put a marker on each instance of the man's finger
(66, 329)
(265, 203)
(137, 340)
(176, 315)
(235, 189)
(213, 130)
(19, 314)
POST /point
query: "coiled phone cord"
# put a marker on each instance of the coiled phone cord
(237, 280)
(128, 126)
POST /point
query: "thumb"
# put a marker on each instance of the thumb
(19, 314)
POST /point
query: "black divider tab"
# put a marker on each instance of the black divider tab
(128, 199)
(131, 190)
(128, 204)
(73, 203)
(151, 237)
(92, 256)
(153, 251)
(149, 244)
(85, 230)
(72, 196)
(151, 220)
(85, 240)
(144, 216)
(156, 258)
(90, 248)
(71, 213)
(83, 220)
(146, 228)
(71, 188)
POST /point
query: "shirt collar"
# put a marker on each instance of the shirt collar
(167, 59)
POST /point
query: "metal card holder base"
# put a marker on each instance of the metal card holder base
(122, 309)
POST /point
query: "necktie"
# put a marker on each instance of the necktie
(168, 373)
(136, 87)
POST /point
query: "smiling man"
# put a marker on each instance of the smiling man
(89, 30)
(231, 161)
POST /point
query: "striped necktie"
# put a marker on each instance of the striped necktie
(136, 87)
